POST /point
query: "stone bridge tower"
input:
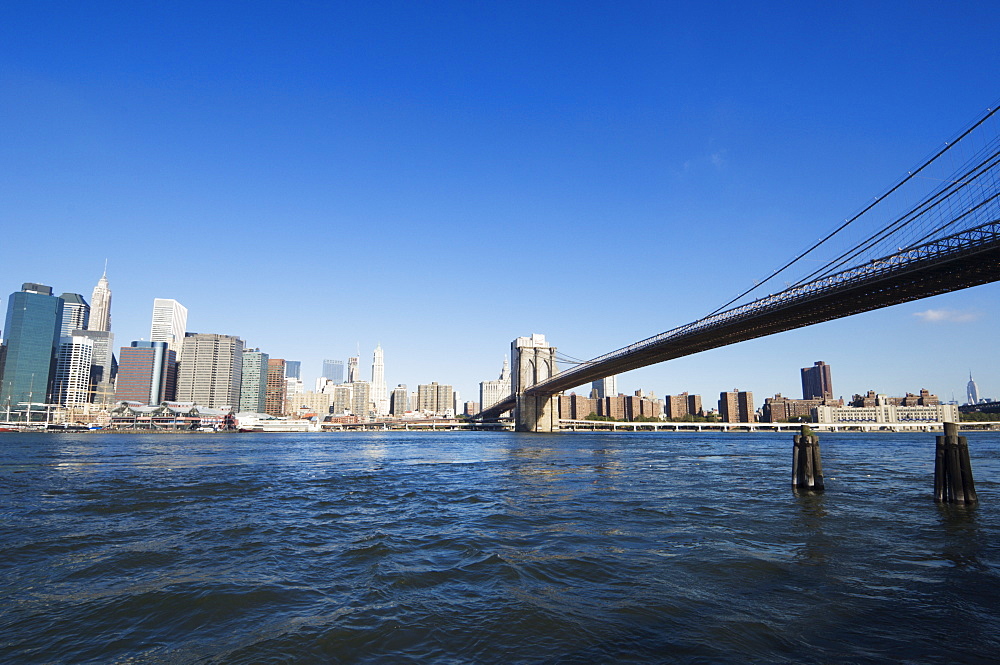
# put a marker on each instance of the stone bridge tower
(533, 361)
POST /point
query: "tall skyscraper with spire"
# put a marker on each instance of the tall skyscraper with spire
(972, 391)
(379, 395)
(100, 304)
(98, 329)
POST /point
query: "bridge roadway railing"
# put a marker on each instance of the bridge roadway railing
(950, 263)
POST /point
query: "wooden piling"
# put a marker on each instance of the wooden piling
(807, 466)
(953, 481)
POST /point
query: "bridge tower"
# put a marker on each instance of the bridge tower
(533, 360)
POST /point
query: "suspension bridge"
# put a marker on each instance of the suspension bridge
(935, 231)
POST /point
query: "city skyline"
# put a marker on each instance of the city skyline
(74, 307)
(696, 157)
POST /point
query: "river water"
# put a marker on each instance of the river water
(468, 547)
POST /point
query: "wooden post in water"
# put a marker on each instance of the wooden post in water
(953, 482)
(807, 468)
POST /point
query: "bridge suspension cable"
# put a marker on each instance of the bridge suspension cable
(868, 246)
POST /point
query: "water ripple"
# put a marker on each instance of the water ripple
(490, 548)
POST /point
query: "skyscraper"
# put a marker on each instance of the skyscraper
(606, 387)
(817, 382)
(333, 370)
(492, 392)
(274, 397)
(147, 374)
(435, 398)
(972, 391)
(100, 300)
(169, 323)
(379, 396)
(361, 399)
(399, 402)
(76, 314)
(71, 385)
(293, 369)
(253, 385)
(102, 365)
(31, 335)
(352, 369)
(211, 370)
(342, 397)
(736, 406)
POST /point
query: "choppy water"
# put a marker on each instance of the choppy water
(490, 548)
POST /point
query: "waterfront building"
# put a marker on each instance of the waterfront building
(352, 369)
(293, 369)
(103, 366)
(274, 396)
(169, 323)
(71, 385)
(779, 409)
(380, 398)
(399, 401)
(576, 407)
(972, 391)
(253, 384)
(293, 386)
(817, 382)
(871, 398)
(471, 408)
(147, 373)
(736, 406)
(361, 399)
(606, 387)
(211, 370)
(342, 396)
(610, 407)
(179, 417)
(885, 413)
(436, 399)
(494, 392)
(100, 301)
(309, 403)
(76, 314)
(333, 370)
(31, 339)
(620, 407)
(684, 404)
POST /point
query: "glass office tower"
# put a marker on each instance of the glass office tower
(31, 334)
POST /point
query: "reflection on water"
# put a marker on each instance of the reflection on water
(490, 547)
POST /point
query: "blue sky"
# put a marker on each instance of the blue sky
(443, 177)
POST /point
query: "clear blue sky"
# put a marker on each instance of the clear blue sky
(442, 177)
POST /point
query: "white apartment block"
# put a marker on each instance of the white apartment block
(885, 413)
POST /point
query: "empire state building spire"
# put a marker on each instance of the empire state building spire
(379, 395)
(100, 304)
(972, 391)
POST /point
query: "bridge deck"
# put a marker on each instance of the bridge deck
(958, 261)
